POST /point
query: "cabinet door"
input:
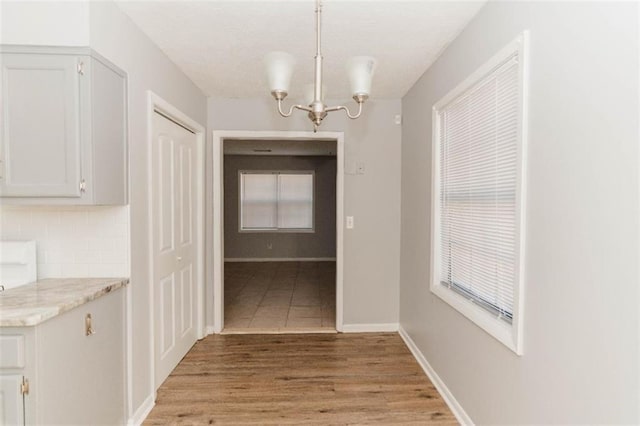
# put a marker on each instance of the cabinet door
(108, 135)
(40, 148)
(81, 376)
(11, 403)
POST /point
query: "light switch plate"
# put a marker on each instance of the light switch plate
(349, 222)
(350, 167)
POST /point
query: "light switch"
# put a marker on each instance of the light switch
(349, 222)
(350, 167)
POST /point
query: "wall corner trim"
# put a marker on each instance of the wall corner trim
(370, 328)
(446, 394)
(143, 411)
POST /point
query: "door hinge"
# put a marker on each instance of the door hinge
(83, 185)
(81, 68)
(24, 386)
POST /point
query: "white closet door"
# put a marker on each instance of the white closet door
(174, 250)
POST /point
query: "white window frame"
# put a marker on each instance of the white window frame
(508, 334)
(277, 230)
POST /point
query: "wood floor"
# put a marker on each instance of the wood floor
(279, 296)
(318, 379)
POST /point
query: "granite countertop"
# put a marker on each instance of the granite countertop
(37, 302)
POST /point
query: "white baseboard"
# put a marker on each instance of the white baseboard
(209, 330)
(369, 328)
(461, 415)
(280, 259)
(143, 411)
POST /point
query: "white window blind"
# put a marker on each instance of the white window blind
(478, 176)
(258, 196)
(295, 201)
(276, 201)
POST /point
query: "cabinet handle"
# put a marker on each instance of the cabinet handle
(81, 68)
(88, 327)
(83, 185)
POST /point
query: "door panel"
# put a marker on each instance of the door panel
(174, 254)
(167, 315)
(11, 402)
(187, 295)
(166, 203)
(186, 184)
(40, 126)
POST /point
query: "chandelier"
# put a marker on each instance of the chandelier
(280, 65)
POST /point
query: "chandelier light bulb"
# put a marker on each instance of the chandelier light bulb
(360, 70)
(279, 70)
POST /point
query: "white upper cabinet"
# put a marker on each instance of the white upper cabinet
(63, 121)
(41, 140)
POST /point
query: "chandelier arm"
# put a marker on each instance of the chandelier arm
(288, 114)
(345, 109)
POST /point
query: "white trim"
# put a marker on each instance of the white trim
(370, 328)
(339, 229)
(303, 330)
(143, 411)
(156, 103)
(638, 230)
(129, 343)
(508, 334)
(457, 410)
(218, 213)
(279, 259)
(209, 330)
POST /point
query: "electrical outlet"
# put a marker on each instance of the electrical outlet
(360, 168)
(349, 222)
(269, 246)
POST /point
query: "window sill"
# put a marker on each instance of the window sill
(505, 333)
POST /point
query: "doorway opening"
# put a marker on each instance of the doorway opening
(278, 200)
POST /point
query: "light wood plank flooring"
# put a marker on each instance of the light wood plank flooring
(279, 296)
(321, 379)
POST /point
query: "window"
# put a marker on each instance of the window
(276, 201)
(478, 187)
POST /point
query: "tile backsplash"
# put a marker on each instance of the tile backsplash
(74, 241)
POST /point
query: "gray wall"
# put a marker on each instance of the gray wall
(119, 40)
(581, 359)
(104, 27)
(372, 248)
(320, 243)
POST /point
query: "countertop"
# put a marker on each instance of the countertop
(34, 303)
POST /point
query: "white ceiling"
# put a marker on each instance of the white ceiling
(220, 44)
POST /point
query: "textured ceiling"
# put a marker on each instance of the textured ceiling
(220, 44)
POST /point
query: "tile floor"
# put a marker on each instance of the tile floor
(279, 296)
